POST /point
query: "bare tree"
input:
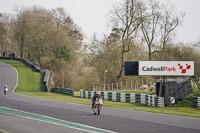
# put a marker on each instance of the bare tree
(2, 36)
(149, 24)
(6, 33)
(59, 16)
(106, 55)
(20, 24)
(170, 21)
(127, 20)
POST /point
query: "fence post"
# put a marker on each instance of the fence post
(131, 84)
(112, 86)
(137, 84)
(94, 88)
(194, 87)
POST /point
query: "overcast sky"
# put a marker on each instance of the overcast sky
(91, 15)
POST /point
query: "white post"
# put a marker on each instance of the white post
(194, 87)
(112, 86)
(105, 71)
(131, 84)
(135, 87)
(137, 84)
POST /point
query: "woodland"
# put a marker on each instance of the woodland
(142, 30)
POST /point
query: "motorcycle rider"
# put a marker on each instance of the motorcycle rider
(5, 89)
(98, 95)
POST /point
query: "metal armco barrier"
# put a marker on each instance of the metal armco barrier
(25, 61)
(196, 101)
(64, 91)
(46, 79)
(149, 100)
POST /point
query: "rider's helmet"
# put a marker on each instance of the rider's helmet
(6, 86)
(98, 93)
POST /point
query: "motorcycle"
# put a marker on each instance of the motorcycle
(97, 106)
(5, 91)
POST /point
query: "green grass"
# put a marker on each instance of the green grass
(179, 109)
(28, 80)
(137, 91)
(1, 132)
(197, 91)
(34, 88)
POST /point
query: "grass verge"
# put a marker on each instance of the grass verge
(179, 109)
(137, 91)
(34, 88)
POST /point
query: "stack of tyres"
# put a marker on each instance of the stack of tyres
(127, 95)
(137, 98)
(118, 97)
(89, 94)
(196, 101)
(110, 96)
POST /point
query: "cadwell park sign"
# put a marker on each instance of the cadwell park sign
(158, 68)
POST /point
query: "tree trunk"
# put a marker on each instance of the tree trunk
(150, 53)
(22, 46)
(122, 66)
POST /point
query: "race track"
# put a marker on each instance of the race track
(117, 120)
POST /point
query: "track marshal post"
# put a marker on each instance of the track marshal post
(164, 69)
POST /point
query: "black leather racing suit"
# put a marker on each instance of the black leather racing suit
(94, 99)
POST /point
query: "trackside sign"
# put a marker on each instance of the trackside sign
(172, 68)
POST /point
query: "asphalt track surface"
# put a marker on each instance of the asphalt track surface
(118, 120)
(13, 124)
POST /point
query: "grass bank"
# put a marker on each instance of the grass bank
(34, 88)
(137, 91)
(28, 81)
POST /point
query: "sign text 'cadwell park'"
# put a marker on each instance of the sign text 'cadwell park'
(168, 68)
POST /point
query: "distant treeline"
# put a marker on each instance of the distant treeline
(141, 30)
